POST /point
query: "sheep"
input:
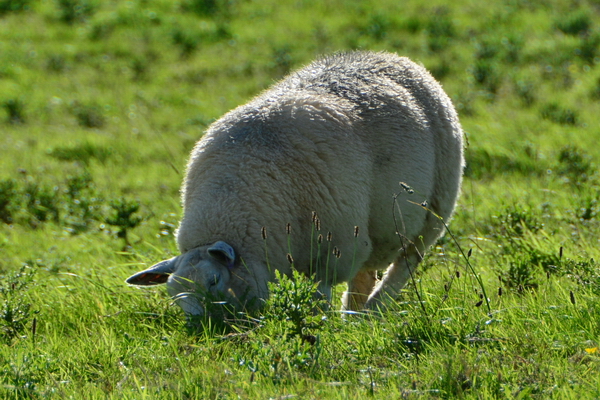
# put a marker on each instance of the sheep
(365, 146)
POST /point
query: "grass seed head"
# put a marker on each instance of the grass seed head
(288, 228)
(560, 253)
(356, 231)
(290, 258)
(263, 232)
(407, 188)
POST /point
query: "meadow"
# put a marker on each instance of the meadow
(101, 103)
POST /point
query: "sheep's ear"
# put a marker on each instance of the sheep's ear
(155, 275)
(222, 252)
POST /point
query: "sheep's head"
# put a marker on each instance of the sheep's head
(199, 278)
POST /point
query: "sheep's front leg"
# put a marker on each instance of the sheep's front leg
(358, 291)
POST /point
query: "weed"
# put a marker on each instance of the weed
(378, 26)
(88, 115)
(589, 208)
(123, 217)
(282, 59)
(83, 203)
(15, 108)
(520, 275)
(588, 49)
(7, 6)
(71, 11)
(586, 273)
(575, 23)
(207, 8)
(82, 153)
(516, 221)
(526, 92)
(187, 41)
(440, 29)
(295, 301)
(595, 92)
(455, 380)
(56, 63)
(464, 102)
(513, 46)
(413, 24)
(441, 70)
(486, 50)
(485, 73)
(293, 312)
(8, 200)
(558, 114)
(15, 311)
(574, 164)
(42, 203)
(482, 164)
(140, 66)
(101, 30)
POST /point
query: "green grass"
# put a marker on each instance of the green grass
(100, 105)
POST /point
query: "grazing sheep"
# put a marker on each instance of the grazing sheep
(335, 138)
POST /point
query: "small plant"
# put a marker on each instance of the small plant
(42, 203)
(56, 63)
(440, 29)
(15, 108)
(7, 6)
(520, 275)
(123, 217)
(282, 59)
(72, 11)
(574, 164)
(187, 41)
(589, 209)
(295, 302)
(586, 273)
(140, 66)
(588, 50)
(560, 115)
(8, 200)
(485, 73)
(88, 116)
(526, 92)
(207, 8)
(83, 153)
(575, 23)
(595, 92)
(378, 26)
(515, 222)
(15, 310)
(83, 204)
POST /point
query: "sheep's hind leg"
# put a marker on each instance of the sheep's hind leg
(394, 279)
(359, 290)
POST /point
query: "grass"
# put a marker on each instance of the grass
(101, 103)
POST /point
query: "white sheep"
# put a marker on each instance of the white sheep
(335, 138)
